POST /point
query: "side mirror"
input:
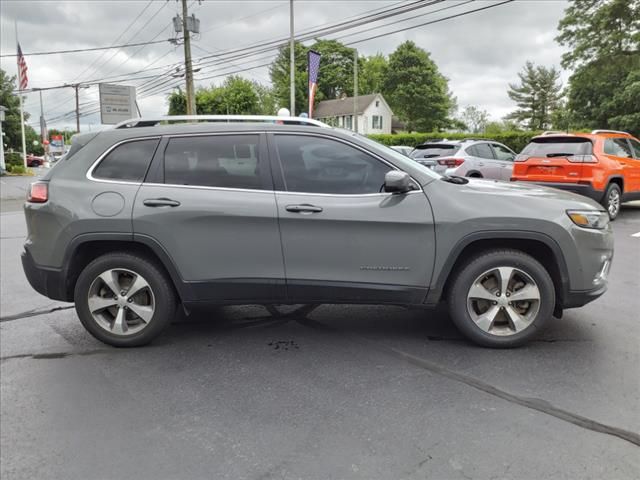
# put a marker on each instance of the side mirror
(397, 182)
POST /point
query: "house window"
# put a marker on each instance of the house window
(377, 103)
(348, 121)
(376, 122)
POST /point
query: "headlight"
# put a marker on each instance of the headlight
(589, 218)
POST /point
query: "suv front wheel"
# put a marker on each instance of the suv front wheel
(501, 298)
(612, 199)
(124, 299)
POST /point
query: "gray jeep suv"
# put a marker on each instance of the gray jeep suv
(145, 217)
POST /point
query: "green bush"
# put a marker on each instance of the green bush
(515, 140)
(12, 158)
(18, 170)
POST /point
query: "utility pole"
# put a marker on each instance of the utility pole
(355, 90)
(76, 87)
(191, 97)
(292, 63)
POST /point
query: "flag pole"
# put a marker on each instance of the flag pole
(24, 141)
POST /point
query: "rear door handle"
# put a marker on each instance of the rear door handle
(304, 208)
(161, 202)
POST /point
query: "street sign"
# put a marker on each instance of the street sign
(117, 103)
(57, 144)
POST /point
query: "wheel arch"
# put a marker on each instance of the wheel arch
(86, 248)
(540, 246)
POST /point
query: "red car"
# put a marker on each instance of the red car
(33, 161)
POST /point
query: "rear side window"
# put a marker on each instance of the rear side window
(636, 147)
(128, 161)
(227, 161)
(558, 147)
(434, 150)
(482, 150)
(617, 147)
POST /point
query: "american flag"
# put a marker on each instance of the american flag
(313, 66)
(22, 70)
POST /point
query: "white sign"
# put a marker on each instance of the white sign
(117, 103)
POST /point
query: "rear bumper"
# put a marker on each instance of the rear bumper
(584, 189)
(46, 281)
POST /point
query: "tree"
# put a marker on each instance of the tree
(416, 91)
(537, 96)
(267, 103)
(335, 77)
(279, 73)
(11, 124)
(239, 96)
(475, 119)
(595, 29)
(236, 96)
(604, 41)
(371, 74)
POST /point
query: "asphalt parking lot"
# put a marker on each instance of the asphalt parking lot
(336, 392)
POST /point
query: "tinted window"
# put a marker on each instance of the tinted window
(636, 147)
(319, 165)
(617, 147)
(434, 150)
(128, 161)
(502, 153)
(229, 161)
(558, 147)
(482, 150)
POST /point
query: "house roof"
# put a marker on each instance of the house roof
(340, 106)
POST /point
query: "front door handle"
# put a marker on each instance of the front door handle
(161, 202)
(304, 208)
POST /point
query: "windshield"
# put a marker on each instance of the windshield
(553, 147)
(399, 159)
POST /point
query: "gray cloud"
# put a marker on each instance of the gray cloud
(479, 53)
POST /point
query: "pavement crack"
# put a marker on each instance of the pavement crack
(536, 404)
(56, 355)
(33, 313)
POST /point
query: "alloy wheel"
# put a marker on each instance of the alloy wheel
(121, 301)
(613, 203)
(503, 301)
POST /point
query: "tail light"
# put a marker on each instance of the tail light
(451, 162)
(521, 158)
(38, 192)
(583, 159)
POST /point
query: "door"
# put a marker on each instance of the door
(484, 161)
(620, 150)
(343, 238)
(210, 204)
(504, 158)
(635, 165)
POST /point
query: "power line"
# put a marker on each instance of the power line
(126, 45)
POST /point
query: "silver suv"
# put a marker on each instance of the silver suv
(467, 158)
(145, 217)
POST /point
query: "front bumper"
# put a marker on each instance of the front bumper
(575, 299)
(46, 281)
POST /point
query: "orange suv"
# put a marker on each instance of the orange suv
(603, 165)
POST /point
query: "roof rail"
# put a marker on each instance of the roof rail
(553, 132)
(153, 121)
(594, 132)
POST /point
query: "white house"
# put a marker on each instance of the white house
(374, 113)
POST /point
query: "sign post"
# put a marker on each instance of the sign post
(117, 103)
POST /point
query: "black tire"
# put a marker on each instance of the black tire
(613, 192)
(464, 278)
(158, 283)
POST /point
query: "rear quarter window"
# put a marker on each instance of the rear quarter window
(557, 147)
(127, 162)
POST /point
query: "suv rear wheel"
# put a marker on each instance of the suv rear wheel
(124, 300)
(612, 199)
(501, 298)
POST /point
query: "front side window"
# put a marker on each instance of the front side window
(481, 150)
(127, 162)
(228, 161)
(617, 147)
(502, 153)
(636, 147)
(376, 121)
(320, 165)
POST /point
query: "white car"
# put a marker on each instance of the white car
(402, 149)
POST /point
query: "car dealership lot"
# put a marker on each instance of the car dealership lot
(337, 392)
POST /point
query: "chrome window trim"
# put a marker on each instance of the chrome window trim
(346, 142)
(95, 164)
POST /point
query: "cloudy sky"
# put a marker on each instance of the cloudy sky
(480, 53)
